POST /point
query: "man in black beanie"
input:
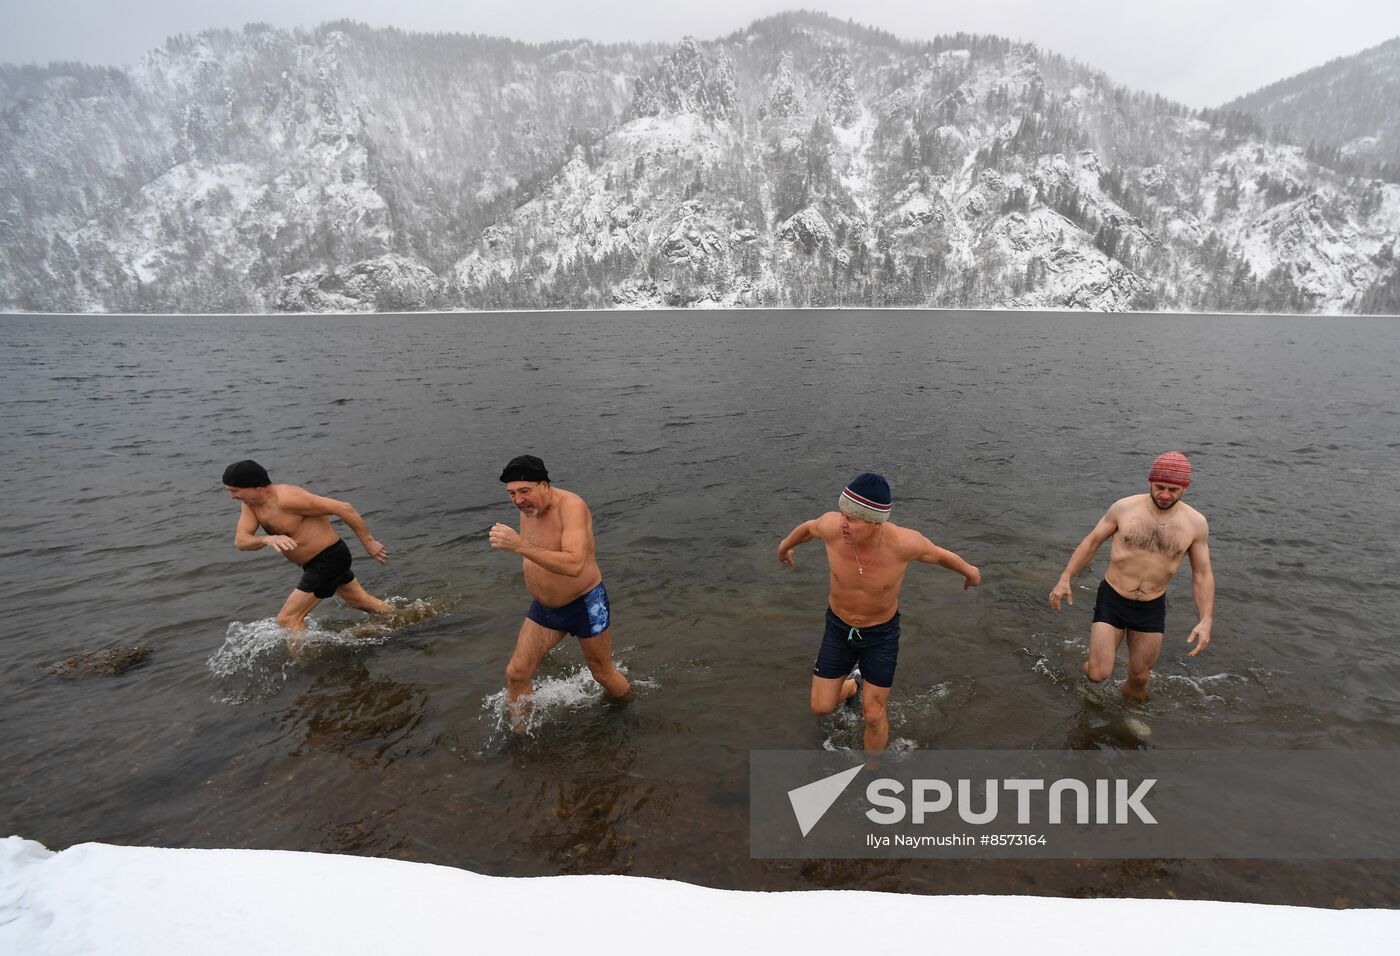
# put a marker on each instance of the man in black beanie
(561, 572)
(868, 555)
(296, 524)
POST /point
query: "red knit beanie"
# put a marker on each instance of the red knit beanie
(1171, 468)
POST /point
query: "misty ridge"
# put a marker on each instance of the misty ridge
(801, 161)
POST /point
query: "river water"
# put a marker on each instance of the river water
(699, 440)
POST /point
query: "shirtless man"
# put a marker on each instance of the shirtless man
(1151, 534)
(297, 524)
(561, 573)
(868, 556)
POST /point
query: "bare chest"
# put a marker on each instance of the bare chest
(275, 520)
(1154, 537)
(872, 573)
(544, 532)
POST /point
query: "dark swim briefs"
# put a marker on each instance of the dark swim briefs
(875, 649)
(326, 572)
(1144, 617)
(583, 617)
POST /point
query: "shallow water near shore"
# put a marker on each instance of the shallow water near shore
(699, 440)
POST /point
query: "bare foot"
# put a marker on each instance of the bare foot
(296, 646)
(617, 703)
(518, 714)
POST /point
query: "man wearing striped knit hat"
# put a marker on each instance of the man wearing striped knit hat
(1151, 534)
(868, 555)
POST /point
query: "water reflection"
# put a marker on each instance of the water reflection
(370, 719)
(1101, 728)
(584, 824)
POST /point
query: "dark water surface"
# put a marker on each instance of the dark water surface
(699, 440)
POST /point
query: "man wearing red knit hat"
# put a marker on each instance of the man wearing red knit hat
(1151, 534)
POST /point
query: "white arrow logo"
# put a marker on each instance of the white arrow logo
(810, 802)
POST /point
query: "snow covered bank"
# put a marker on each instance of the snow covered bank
(99, 899)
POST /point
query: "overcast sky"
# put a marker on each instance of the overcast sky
(1201, 52)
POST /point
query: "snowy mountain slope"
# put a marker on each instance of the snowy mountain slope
(1346, 109)
(224, 162)
(981, 174)
(800, 161)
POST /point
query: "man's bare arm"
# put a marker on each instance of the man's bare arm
(1202, 590)
(930, 553)
(1079, 560)
(804, 532)
(575, 544)
(246, 538)
(302, 502)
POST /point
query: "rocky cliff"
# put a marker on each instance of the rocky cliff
(801, 161)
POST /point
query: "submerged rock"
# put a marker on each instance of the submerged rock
(107, 662)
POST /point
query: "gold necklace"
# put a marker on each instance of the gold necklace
(860, 568)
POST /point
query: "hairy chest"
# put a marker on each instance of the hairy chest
(1154, 537)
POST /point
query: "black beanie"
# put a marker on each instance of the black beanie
(524, 468)
(246, 474)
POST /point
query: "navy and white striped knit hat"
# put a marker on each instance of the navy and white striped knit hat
(867, 497)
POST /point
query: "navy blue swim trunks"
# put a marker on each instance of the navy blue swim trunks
(583, 617)
(327, 572)
(875, 649)
(1144, 617)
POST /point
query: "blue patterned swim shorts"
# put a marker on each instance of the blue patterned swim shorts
(583, 617)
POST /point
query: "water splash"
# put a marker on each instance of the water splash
(553, 698)
(1210, 688)
(406, 611)
(257, 657)
(933, 709)
(928, 712)
(253, 659)
(856, 744)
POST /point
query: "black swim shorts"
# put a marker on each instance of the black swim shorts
(586, 616)
(327, 571)
(1145, 617)
(875, 649)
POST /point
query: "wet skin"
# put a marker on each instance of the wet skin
(867, 563)
(555, 543)
(1151, 533)
(297, 526)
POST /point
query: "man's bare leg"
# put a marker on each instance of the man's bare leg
(877, 724)
(292, 618)
(361, 600)
(597, 654)
(531, 645)
(829, 692)
(1143, 651)
(1103, 650)
(298, 605)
